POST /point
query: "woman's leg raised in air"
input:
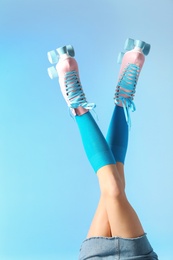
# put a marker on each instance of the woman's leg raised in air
(70, 85)
(123, 221)
(117, 139)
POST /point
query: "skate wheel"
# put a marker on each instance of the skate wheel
(129, 44)
(52, 72)
(146, 49)
(140, 44)
(62, 50)
(52, 57)
(120, 57)
(70, 50)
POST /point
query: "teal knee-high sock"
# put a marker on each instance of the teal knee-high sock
(117, 136)
(98, 152)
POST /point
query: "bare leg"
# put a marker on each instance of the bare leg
(100, 225)
(122, 218)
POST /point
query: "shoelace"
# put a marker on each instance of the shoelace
(127, 82)
(75, 92)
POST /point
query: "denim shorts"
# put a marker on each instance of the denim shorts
(115, 248)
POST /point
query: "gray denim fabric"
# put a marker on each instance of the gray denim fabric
(115, 248)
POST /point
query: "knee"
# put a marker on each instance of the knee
(111, 185)
(114, 189)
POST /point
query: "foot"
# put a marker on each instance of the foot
(132, 62)
(69, 80)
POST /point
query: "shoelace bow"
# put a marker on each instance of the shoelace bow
(75, 92)
(127, 82)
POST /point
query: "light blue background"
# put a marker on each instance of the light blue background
(48, 191)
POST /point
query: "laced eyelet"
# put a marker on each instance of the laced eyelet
(75, 92)
(126, 89)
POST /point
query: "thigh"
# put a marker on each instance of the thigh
(100, 224)
(123, 220)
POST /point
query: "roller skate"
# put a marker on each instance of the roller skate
(66, 69)
(131, 64)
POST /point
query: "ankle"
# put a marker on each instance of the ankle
(80, 111)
